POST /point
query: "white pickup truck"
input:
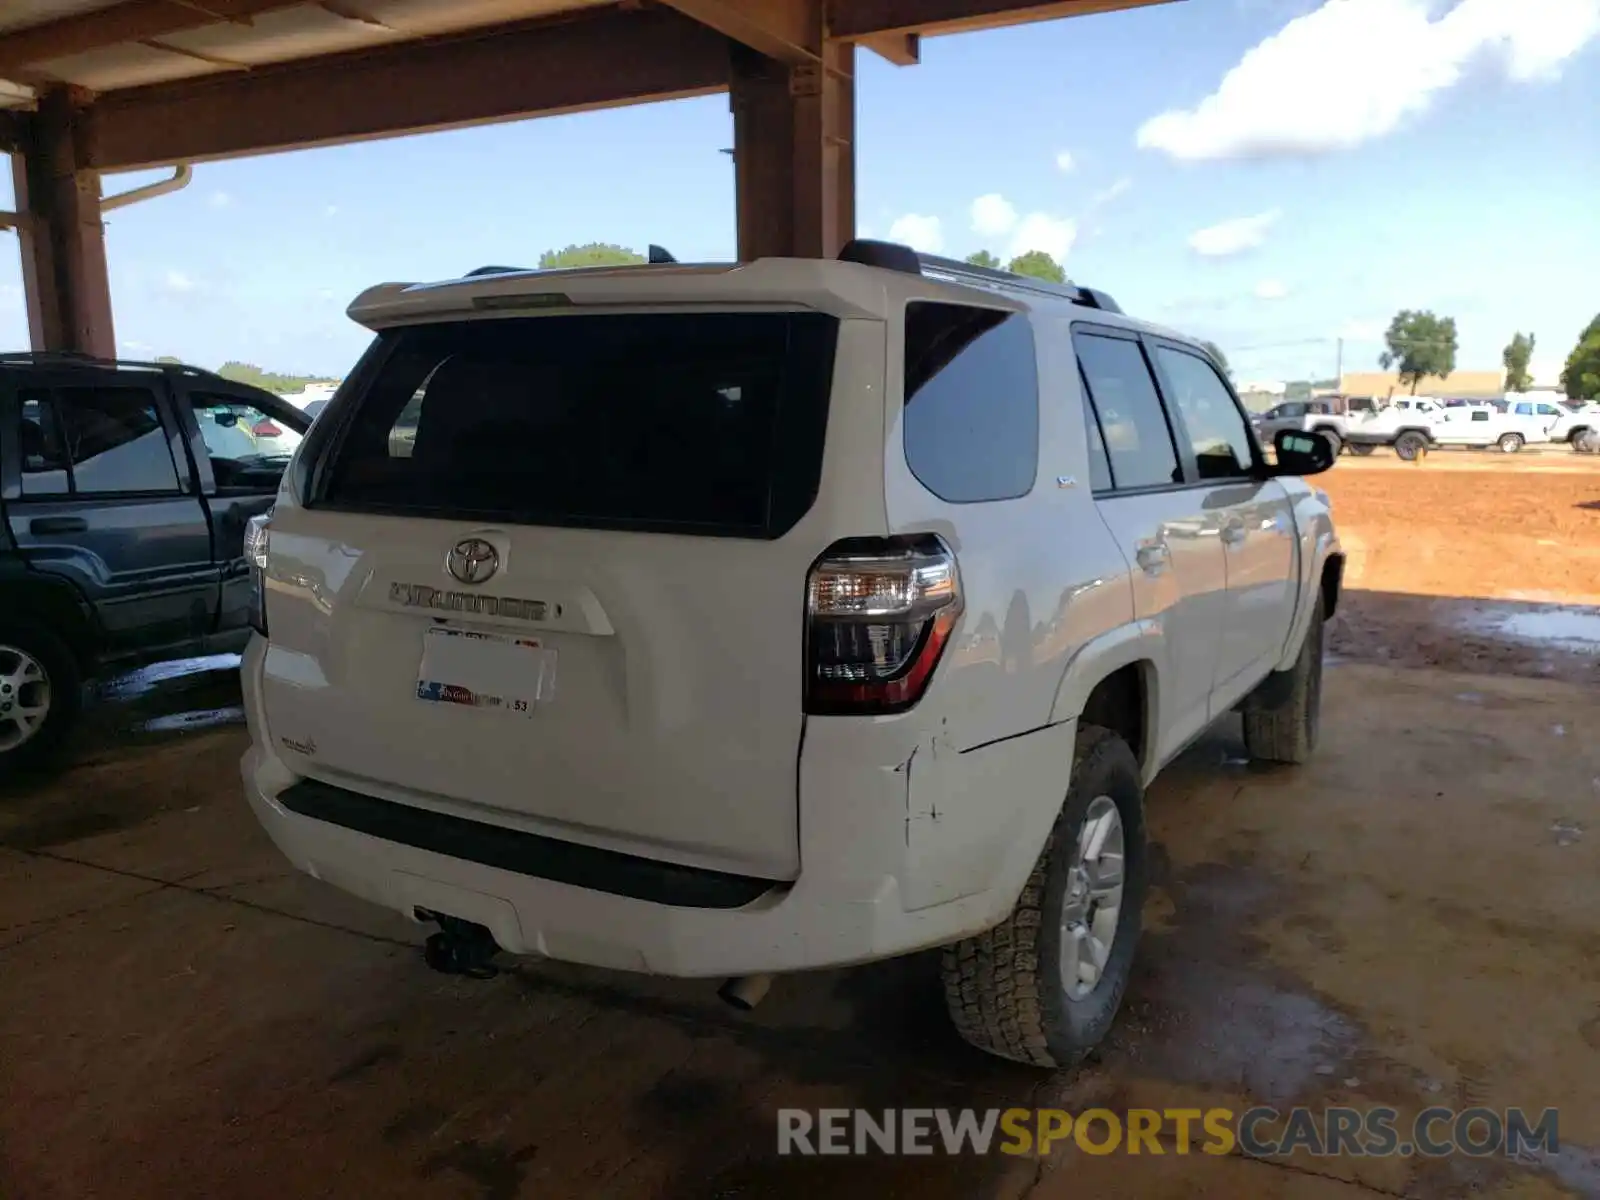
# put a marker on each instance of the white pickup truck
(1413, 424)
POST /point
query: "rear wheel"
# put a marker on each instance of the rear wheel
(1577, 438)
(1410, 446)
(1589, 443)
(1044, 985)
(1510, 443)
(40, 694)
(1286, 731)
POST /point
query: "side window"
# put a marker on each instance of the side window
(1294, 410)
(1548, 410)
(115, 441)
(971, 402)
(44, 449)
(1099, 461)
(1125, 399)
(1524, 409)
(1217, 428)
(1481, 415)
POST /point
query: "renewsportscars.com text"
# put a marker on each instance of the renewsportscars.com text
(1258, 1132)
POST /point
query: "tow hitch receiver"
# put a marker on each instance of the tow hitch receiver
(460, 947)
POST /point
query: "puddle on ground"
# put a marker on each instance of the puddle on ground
(145, 680)
(1561, 627)
(209, 718)
(1205, 1009)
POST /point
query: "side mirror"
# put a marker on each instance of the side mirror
(1302, 453)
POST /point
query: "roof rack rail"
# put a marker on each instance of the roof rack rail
(895, 257)
(79, 358)
(476, 271)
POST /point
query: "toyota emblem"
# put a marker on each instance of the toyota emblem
(473, 560)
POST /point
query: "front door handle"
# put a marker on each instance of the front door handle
(1153, 557)
(58, 525)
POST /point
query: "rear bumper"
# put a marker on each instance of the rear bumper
(878, 879)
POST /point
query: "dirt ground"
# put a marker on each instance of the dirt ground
(1411, 920)
(1472, 562)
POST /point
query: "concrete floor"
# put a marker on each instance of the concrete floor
(1412, 920)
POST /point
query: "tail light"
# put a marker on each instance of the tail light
(878, 615)
(266, 429)
(256, 531)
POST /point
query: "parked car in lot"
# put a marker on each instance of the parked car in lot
(125, 489)
(645, 649)
(1577, 419)
(1412, 424)
(1326, 417)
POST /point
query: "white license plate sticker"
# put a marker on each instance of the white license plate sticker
(486, 670)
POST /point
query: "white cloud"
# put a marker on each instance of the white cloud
(1065, 162)
(1040, 231)
(920, 233)
(1106, 195)
(1271, 289)
(331, 211)
(1232, 237)
(1354, 70)
(993, 216)
(219, 200)
(177, 281)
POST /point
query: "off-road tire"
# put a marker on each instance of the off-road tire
(1510, 443)
(1335, 442)
(1003, 987)
(66, 693)
(1361, 448)
(1408, 447)
(1286, 732)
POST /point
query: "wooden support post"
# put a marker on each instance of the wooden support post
(794, 152)
(64, 276)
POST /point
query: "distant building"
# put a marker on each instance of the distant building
(1475, 385)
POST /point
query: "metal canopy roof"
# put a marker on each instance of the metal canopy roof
(112, 45)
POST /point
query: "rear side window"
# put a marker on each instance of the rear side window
(1131, 416)
(971, 424)
(695, 423)
(94, 439)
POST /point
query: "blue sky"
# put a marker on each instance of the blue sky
(1272, 174)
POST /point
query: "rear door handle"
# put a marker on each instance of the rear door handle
(58, 525)
(1154, 557)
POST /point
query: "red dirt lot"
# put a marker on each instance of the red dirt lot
(1471, 562)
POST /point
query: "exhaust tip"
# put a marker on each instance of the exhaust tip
(744, 992)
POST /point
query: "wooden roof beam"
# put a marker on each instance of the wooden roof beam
(787, 30)
(594, 60)
(858, 20)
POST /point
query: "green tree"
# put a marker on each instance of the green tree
(1039, 265)
(1222, 359)
(593, 254)
(982, 258)
(1516, 356)
(271, 381)
(1580, 378)
(1420, 345)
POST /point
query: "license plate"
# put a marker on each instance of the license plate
(486, 670)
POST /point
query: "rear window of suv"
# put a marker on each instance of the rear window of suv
(681, 422)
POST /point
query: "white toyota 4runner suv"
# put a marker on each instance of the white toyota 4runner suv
(724, 621)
